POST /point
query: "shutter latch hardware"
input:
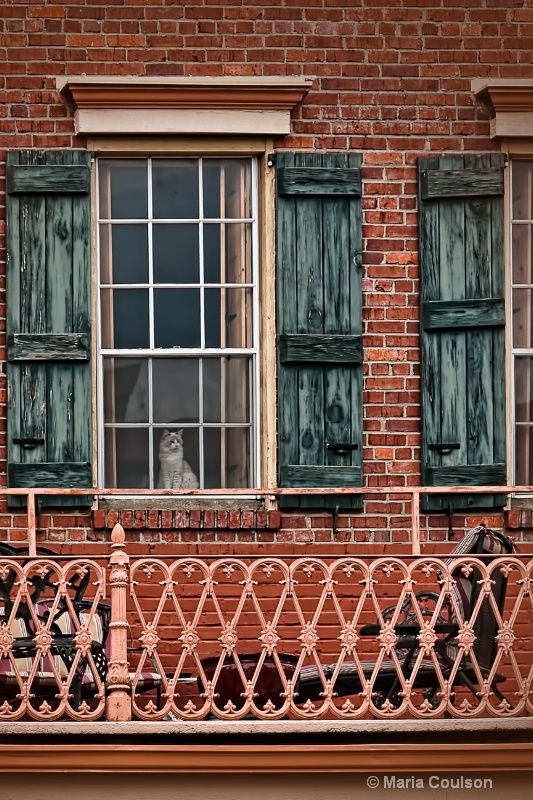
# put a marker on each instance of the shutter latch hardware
(445, 447)
(342, 448)
(28, 442)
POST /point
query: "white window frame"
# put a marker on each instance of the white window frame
(265, 456)
(516, 352)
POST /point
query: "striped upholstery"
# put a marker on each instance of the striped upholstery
(64, 623)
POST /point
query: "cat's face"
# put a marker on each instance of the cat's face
(171, 442)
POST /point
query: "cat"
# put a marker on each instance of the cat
(175, 472)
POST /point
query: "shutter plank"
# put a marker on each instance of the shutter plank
(59, 301)
(468, 475)
(453, 366)
(316, 477)
(287, 299)
(324, 347)
(429, 245)
(337, 380)
(48, 347)
(52, 475)
(436, 184)
(310, 320)
(479, 386)
(483, 313)
(32, 304)
(319, 181)
(497, 249)
(81, 316)
(48, 179)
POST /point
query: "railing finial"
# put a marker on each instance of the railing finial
(118, 537)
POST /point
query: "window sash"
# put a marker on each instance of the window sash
(232, 287)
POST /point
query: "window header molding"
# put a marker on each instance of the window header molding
(237, 106)
(510, 104)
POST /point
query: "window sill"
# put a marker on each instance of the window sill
(177, 514)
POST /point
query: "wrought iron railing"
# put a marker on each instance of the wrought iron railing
(194, 638)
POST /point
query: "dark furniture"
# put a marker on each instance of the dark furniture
(480, 541)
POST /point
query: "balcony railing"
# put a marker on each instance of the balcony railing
(192, 638)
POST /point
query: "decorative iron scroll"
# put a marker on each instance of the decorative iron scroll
(347, 638)
(53, 627)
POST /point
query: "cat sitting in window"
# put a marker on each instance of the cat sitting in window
(175, 472)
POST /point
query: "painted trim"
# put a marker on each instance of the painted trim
(184, 105)
(159, 758)
(89, 121)
(509, 103)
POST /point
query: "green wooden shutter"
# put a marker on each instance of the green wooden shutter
(48, 321)
(461, 218)
(318, 266)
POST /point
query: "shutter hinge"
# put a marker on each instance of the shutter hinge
(271, 160)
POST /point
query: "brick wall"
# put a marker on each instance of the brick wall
(389, 80)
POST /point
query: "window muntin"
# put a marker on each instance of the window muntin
(178, 311)
(522, 329)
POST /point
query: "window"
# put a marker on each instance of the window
(522, 331)
(178, 321)
(193, 288)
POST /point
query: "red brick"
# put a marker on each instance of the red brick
(180, 519)
(153, 518)
(99, 518)
(166, 518)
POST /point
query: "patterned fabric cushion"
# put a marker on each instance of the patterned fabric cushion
(464, 586)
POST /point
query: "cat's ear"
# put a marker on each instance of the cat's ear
(165, 433)
(180, 433)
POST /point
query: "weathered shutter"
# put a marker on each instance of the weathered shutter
(461, 218)
(318, 263)
(48, 321)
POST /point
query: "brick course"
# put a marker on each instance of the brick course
(389, 80)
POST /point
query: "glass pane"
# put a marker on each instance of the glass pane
(226, 389)
(228, 253)
(176, 390)
(126, 458)
(125, 318)
(123, 188)
(522, 318)
(176, 456)
(523, 380)
(521, 253)
(228, 318)
(228, 465)
(523, 455)
(227, 188)
(176, 254)
(125, 390)
(175, 188)
(522, 189)
(177, 317)
(124, 253)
